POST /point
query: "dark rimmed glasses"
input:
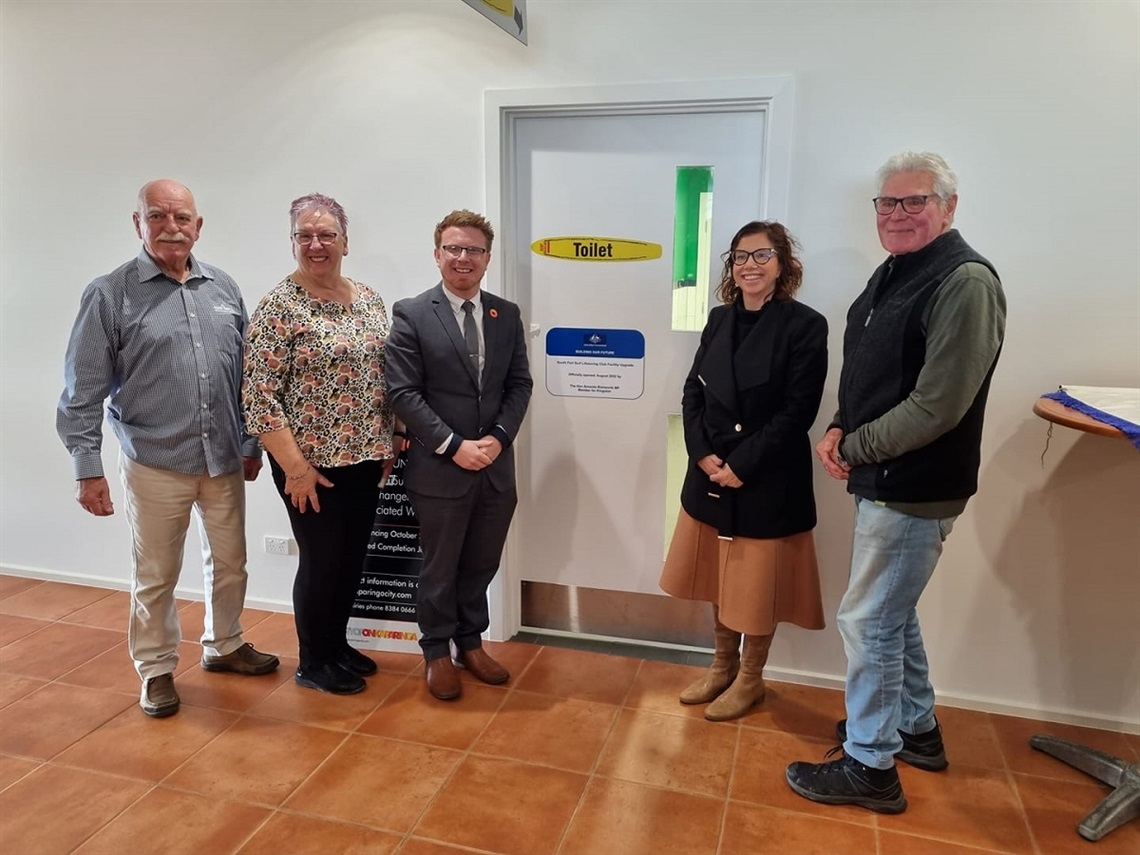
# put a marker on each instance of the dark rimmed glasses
(306, 238)
(455, 251)
(910, 204)
(739, 257)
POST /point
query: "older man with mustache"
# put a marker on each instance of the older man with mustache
(161, 336)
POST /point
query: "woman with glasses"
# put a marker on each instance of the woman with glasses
(743, 539)
(314, 393)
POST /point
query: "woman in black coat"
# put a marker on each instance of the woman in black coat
(743, 539)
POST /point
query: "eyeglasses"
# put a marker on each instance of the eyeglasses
(910, 204)
(739, 257)
(454, 251)
(305, 238)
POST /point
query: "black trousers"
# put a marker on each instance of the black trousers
(332, 546)
(462, 541)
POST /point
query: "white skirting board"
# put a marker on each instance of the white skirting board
(94, 581)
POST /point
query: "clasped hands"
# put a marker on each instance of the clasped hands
(476, 454)
(827, 450)
(718, 471)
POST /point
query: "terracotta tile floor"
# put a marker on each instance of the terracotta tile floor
(582, 753)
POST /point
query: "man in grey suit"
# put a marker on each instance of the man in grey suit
(458, 377)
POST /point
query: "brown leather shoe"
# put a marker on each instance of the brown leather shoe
(442, 678)
(482, 666)
(159, 698)
(244, 660)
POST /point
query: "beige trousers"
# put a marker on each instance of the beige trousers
(158, 504)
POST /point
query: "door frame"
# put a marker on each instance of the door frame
(503, 108)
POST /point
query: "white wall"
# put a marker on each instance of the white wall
(1036, 602)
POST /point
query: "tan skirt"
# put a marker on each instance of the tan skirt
(755, 583)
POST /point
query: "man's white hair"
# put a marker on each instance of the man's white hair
(945, 181)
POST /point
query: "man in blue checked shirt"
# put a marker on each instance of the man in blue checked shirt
(162, 337)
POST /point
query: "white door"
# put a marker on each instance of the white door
(592, 486)
(603, 162)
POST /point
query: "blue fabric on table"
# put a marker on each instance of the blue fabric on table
(1129, 429)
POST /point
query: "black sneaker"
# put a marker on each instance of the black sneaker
(329, 678)
(355, 662)
(921, 750)
(846, 781)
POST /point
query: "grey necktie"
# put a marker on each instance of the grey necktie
(471, 334)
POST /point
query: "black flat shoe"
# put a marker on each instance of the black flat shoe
(330, 678)
(355, 662)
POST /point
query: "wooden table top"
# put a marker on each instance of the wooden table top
(1055, 411)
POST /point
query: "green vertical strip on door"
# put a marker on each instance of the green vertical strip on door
(692, 247)
(692, 260)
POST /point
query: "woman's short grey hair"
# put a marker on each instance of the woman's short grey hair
(318, 202)
(945, 181)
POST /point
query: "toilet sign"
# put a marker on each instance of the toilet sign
(596, 249)
(510, 15)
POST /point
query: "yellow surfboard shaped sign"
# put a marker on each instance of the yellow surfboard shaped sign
(503, 7)
(596, 249)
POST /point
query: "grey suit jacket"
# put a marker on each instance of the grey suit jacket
(432, 387)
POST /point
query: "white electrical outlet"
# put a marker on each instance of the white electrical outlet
(279, 545)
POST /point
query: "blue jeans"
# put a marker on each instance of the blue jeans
(888, 679)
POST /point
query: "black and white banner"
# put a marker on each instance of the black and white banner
(384, 615)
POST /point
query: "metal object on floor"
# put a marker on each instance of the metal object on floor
(617, 614)
(1119, 806)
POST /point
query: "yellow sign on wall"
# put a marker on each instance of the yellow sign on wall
(510, 15)
(596, 249)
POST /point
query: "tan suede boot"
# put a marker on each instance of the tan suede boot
(747, 689)
(725, 664)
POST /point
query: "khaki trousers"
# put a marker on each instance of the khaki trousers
(158, 504)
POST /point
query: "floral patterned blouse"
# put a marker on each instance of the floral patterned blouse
(317, 367)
